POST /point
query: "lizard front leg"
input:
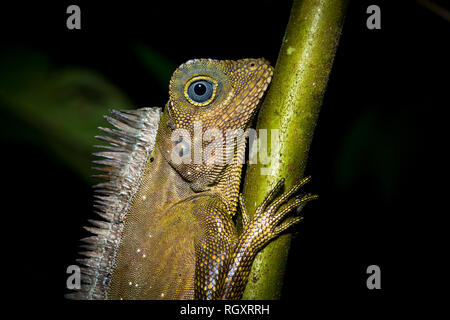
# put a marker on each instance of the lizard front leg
(213, 249)
(265, 225)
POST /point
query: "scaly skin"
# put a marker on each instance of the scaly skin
(175, 238)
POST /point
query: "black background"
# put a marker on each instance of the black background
(380, 213)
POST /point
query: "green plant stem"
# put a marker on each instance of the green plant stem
(292, 106)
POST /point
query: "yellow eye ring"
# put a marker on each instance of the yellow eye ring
(201, 90)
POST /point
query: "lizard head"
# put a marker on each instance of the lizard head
(212, 96)
(222, 94)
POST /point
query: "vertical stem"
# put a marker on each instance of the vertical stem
(292, 106)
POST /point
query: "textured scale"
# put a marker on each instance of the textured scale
(167, 230)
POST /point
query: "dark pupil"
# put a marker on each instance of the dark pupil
(200, 89)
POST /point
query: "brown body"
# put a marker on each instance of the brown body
(156, 257)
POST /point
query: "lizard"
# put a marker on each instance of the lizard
(167, 230)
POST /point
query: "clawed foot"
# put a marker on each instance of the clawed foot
(267, 222)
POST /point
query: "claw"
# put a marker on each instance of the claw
(268, 223)
(286, 225)
(270, 196)
(295, 203)
(298, 203)
(308, 197)
(285, 196)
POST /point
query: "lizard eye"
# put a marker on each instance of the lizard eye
(200, 91)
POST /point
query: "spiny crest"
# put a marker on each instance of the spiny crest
(122, 164)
